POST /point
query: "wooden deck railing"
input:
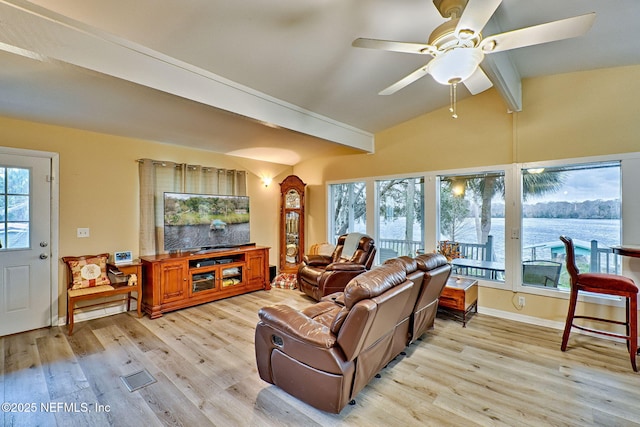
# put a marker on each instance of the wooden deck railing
(601, 259)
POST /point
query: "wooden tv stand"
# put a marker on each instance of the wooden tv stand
(174, 281)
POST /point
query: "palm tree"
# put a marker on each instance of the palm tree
(485, 188)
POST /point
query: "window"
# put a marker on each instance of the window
(400, 217)
(471, 223)
(14, 207)
(580, 201)
(348, 209)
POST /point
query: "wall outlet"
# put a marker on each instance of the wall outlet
(83, 232)
(521, 301)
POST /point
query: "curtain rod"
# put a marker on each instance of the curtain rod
(186, 165)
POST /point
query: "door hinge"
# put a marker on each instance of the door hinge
(49, 178)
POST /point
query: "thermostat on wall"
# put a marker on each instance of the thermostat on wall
(122, 257)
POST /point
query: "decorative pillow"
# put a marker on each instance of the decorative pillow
(89, 272)
(285, 281)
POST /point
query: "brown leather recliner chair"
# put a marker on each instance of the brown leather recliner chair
(325, 354)
(321, 275)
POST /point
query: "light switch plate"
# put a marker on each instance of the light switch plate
(83, 232)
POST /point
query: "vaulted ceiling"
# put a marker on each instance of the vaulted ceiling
(270, 80)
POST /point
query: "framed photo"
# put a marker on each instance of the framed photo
(122, 257)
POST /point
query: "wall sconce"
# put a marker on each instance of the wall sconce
(266, 181)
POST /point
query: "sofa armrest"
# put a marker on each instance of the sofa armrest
(345, 266)
(317, 260)
(336, 297)
(297, 325)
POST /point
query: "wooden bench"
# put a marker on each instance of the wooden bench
(92, 273)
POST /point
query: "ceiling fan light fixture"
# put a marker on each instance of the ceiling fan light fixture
(455, 65)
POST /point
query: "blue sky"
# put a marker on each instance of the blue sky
(581, 185)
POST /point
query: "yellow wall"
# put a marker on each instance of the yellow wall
(573, 115)
(99, 186)
(564, 116)
(579, 114)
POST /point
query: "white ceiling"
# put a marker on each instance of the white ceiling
(271, 80)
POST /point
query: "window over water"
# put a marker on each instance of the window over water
(579, 201)
(471, 224)
(400, 217)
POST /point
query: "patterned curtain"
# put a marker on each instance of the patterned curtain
(158, 177)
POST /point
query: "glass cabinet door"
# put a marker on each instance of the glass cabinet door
(203, 281)
(292, 237)
(231, 276)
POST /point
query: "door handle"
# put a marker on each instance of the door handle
(44, 256)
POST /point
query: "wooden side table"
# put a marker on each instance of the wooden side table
(120, 281)
(459, 298)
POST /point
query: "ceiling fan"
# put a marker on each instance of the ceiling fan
(458, 46)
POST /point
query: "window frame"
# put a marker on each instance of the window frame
(372, 218)
(630, 173)
(329, 212)
(517, 284)
(501, 171)
(377, 223)
(571, 166)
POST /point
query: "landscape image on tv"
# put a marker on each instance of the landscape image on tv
(203, 221)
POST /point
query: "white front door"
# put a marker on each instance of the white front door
(25, 236)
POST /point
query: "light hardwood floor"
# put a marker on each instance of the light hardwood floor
(493, 372)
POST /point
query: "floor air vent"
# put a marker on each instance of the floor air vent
(138, 380)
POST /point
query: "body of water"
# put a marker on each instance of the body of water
(535, 231)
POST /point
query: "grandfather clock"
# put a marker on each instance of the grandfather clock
(291, 223)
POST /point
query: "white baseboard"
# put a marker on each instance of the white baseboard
(521, 318)
(539, 322)
(81, 315)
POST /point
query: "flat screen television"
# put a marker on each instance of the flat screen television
(205, 221)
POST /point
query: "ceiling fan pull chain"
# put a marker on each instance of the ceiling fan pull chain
(453, 99)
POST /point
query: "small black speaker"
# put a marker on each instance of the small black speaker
(272, 273)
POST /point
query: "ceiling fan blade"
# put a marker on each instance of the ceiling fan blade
(478, 82)
(538, 34)
(476, 15)
(406, 81)
(405, 47)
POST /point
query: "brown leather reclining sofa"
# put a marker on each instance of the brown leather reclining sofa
(326, 353)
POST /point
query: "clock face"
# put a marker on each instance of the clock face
(292, 200)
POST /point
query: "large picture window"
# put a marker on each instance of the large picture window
(348, 209)
(400, 217)
(500, 225)
(472, 223)
(579, 201)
